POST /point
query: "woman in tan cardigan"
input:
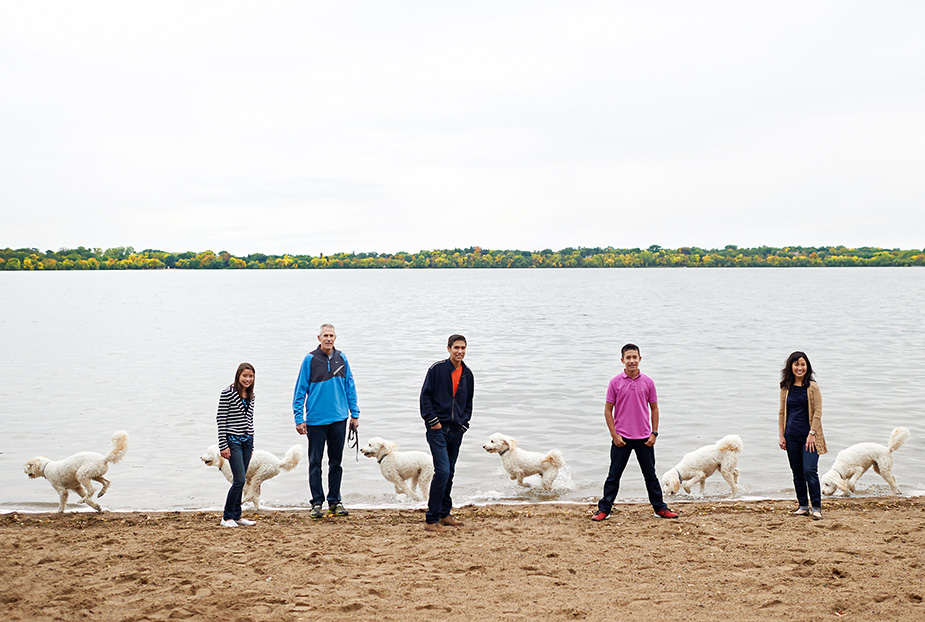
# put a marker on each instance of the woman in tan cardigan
(800, 426)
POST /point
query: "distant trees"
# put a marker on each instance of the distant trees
(127, 258)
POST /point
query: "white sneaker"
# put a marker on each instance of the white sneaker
(246, 522)
(228, 523)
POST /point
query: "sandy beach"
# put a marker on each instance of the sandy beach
(742, 560)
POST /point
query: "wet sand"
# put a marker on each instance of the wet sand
(741, 560)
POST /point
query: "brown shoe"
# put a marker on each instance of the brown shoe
(433, 527)
(451, 521)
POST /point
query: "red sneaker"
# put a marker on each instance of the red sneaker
(601, 516)
(666, 513)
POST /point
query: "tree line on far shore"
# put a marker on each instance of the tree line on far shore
(127, 258)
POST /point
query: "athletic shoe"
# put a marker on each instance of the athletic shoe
(228, 523)
(817, 515)
(338, 509)
(433, 527)
(601, 516)
(666, 513)
(246, 522)
(316, 512)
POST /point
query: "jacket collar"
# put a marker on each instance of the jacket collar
(449, 363)
(320, 352)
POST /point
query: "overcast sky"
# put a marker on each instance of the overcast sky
(316, 127)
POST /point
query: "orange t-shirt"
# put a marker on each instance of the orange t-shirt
(456, 375)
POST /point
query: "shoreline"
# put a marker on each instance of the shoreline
(681, 501)
(749, 559)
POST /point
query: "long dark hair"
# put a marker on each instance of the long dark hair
(786, 374)
(249, 392)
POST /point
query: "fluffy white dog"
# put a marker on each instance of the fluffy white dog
(263, 466)
(695, 467)
(852, 462)
(406, 470)
(520, 463)
(75, 472)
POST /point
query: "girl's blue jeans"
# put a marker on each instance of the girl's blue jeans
(241, 449)
(804, 465)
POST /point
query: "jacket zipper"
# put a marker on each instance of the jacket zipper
(453, 397)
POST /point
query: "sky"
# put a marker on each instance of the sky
(322, 127)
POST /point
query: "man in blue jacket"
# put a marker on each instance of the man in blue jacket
(446, 406)
(325, 396)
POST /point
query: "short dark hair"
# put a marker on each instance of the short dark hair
(453, 339)
(629, 346)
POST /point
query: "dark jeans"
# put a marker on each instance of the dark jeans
(804, 465)
(444, 447)
(333, 435)
(241, 449)
(619, 456)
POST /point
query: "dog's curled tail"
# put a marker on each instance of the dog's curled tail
(292, 458)
(119, 446)
(732, 442)
(555, 457)
(898, 438)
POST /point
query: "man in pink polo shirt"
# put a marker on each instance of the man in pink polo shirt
(631, 413)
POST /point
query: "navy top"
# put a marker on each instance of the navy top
(797, 413)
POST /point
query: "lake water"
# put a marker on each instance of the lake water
(88, 353)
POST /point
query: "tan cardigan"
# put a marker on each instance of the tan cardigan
(814, 397)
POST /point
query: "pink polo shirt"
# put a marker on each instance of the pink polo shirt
(631, 398)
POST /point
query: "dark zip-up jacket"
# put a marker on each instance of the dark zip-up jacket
(438, 405)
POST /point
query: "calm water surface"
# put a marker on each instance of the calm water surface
(87, 353)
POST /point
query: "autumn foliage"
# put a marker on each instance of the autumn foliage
(127, 258)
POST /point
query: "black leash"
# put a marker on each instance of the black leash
(353, 441)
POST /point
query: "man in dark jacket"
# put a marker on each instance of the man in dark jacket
(446, 406)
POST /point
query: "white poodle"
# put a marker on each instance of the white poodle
(263, 466)
(851, 463)
(520, 463)
(696, 466)
(406, 470)
(75, 472)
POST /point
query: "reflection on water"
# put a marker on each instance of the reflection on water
(86, 354)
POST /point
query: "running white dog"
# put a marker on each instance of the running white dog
(851, 463)
(406, 470)
(520, 463)
(263, 466)
(75, 472)
(696, 466)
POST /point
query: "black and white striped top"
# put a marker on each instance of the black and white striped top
(233, 416)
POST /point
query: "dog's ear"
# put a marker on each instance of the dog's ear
(390, 445)
(509, 442)
(842, 485)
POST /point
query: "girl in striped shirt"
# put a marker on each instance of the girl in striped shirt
(235, 420)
